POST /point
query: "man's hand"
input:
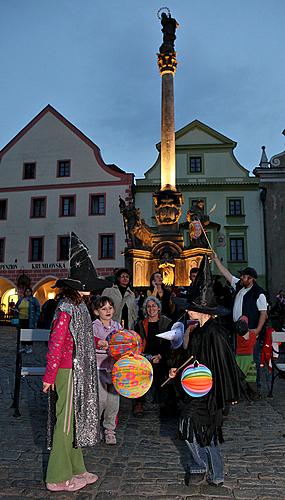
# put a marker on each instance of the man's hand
(213, 256)
(46, 387)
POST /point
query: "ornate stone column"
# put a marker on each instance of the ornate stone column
(167, 67)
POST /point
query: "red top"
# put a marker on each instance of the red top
(60, 347)
(246, 346)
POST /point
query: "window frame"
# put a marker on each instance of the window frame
(195, 156)
(2, 258)
(100, 235)
(25, 164)
(241, 201)
(236, 238)
(59, 258)
(61, 198)
(31, 239)
(93, 195)
(33, 199)
(191, 200)
(59, 166)
(6, 208)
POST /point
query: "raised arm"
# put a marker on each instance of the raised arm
(223, 270)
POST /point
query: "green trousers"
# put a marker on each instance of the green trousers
(65, 461)
(247, 365)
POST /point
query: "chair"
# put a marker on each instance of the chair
(26, 335)
(277, 358)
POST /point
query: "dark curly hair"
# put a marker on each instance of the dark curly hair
(119, 272)
(69, 293)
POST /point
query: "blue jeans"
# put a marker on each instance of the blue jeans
(206, 459)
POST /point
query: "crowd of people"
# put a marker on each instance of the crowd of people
(79, 363)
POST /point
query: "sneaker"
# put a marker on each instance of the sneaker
(110, 436)
(74, 484)
(88, 476)
(196, 478)
(221, 483)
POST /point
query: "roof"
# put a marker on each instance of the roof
(110, 168)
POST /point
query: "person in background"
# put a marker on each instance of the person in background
(192, 291)
(249, 301)
(124, 299)
(157, 289)
(109, 399)
(71, 370)
(156, 350)
(48, 310)
(29, 310)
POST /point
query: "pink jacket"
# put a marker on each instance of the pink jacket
(60, 348)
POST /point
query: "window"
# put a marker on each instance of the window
(63, 247)
(38, 207)
(106, 246)
(67, 206)
(97, 204)
(3, 209)
(2, 249)
(237, 249)
(29, 171)
(195, 164)
(63, 168)
(193, 202)
(235, 207)
(36, 249)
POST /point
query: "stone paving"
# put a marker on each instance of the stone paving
(149, 459)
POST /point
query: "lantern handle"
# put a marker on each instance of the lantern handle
(178, 370)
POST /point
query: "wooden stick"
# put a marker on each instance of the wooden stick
(178, 370)
(201, 225)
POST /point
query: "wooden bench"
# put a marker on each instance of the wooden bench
(26, 335)
(278, 364)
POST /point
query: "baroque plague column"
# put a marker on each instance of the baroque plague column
(162, 248)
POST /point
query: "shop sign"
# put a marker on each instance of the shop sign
(52, 265)
(8, 267)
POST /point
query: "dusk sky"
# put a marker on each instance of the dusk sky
(95, 62)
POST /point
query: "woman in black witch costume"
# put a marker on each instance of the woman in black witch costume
(202, 417)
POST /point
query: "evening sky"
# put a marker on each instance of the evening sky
(95, 62)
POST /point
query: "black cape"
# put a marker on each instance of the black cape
(204, 416)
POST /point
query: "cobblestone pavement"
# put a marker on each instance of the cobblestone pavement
(148, 459)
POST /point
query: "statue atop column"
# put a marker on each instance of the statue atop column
(169, 26)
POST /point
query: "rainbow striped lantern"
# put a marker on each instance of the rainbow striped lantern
(197, 380)
(132, 376)
(125, 342)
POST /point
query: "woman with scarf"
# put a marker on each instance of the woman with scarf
(157, 289)
(72, 372)
(124, 299)
(157, 350)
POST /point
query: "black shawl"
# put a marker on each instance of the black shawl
(203, 416)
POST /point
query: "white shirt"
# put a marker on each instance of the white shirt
(261, 302)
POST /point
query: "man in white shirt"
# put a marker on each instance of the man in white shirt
(249, 301)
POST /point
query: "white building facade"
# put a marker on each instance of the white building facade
(54, 181)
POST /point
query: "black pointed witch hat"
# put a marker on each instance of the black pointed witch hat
(82, 268)
(205, 301)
